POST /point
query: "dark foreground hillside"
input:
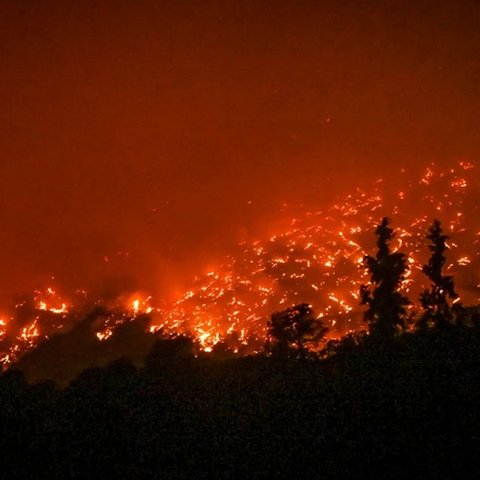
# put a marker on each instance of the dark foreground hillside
(406, 409)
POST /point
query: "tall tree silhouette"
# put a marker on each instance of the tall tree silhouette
(386, 305)
(292, 330)
(435, 300)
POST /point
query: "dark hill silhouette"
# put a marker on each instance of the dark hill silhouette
(64, 355)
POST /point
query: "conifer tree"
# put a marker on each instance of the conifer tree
(436, 300)
(386, 305)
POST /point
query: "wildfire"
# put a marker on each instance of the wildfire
(30, 333)
(105, 334)
(139, 306)
(3, 329)
(49, 300)
(316, 258)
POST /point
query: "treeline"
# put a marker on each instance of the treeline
(395, 402)
(387, 306)
(296, 331)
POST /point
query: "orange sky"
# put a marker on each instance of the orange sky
(147, 127)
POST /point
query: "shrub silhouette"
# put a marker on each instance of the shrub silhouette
(292, 331)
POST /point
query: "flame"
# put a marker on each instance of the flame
(3, 329)
(30, 333)
(105, 334)
(50, 295)
(316, 257)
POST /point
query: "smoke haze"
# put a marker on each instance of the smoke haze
(140, 140)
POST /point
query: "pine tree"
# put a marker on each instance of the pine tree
(436, 300)
(386, 305)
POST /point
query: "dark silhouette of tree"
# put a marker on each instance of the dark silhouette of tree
(292, 331)
(386, 305)
(435, 300)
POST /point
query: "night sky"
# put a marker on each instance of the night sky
(140, 139)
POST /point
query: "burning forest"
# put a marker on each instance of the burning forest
(239, 239)
(314, 257)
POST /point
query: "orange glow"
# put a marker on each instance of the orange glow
(30, 334)
(50, 301)
(106, 334)
(3, 328)
(316, 259)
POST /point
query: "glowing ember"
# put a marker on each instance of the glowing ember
(50, 301)
(107, 333)
(30, 333)
(3, 329)
(316, 258)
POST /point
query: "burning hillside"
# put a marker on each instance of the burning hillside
(314, 256)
